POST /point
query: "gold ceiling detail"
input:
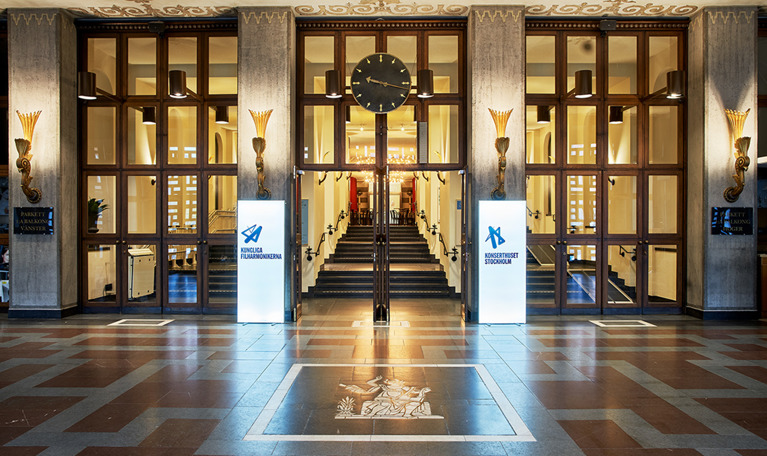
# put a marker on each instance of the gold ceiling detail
(611, 8)
(145, 9)
(381, 8)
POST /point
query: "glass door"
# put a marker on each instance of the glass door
(381, 264)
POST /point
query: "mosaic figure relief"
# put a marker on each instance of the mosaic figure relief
(393, 399)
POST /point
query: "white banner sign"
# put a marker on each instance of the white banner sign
(502, 262)
(260, 261)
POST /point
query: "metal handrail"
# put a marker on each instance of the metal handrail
(454, 251)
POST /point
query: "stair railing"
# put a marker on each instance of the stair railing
(310, 254)
(454, 251)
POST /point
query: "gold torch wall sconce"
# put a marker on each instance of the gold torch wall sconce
(736, 119)
(501, 118)
(24, 162)
(260, 118)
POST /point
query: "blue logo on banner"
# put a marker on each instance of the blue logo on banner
(495, 237)
(252, 233)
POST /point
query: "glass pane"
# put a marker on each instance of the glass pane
(664, 135)
(222, 65)
(141, 263)
(540, 137)
(622, 204)
(540, 64)
(581, 55)
(222, 278)
(182, 204)
(582, 204)
(360, 136)
(4, 205)
(622, 137)
(100, 147)
(762, 130)
(663, 212)
(357, 47)
(102, 267)
(582, 135)
(142, 66)
(581, 274)
(541, 275)
(403, 138)
(102, 60)
(182, 135)
(622, 69)
(662, 273)
(142, 204)
(621, 274)
(142, 140)
(182, 55)
(762, 68)
(318, 57)
(541, 204)
(443, 135)
(443, 61)
(101, 205)
(663, 58)
(222, 204)
(4, 66)
(222, 137)
(405, 48)
(5, 269)
(319, 134)
(182, 273)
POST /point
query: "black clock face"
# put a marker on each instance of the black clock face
(380, 83)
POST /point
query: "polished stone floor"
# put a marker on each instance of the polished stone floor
(428, 384)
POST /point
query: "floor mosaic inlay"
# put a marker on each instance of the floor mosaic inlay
(466, 401)
(208, 386)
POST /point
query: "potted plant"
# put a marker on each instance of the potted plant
(95, 208)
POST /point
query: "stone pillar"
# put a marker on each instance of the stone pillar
(266, 80)
(721, 270)
(42, 56)
(496, 56)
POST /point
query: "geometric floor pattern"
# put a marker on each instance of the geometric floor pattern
(209, 386)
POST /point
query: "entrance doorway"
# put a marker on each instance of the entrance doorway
(379, 239)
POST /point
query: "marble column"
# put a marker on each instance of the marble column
(42, 56)
(721, 270)
(496, 58)
(266, 71)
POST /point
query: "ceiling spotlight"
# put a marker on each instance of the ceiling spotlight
(222, 114)
(149, 115)
(332, 85)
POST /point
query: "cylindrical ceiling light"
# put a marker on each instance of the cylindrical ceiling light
(348, 114)
(149, 115)
(616, 115)
(675, 82)
(544, 114)
(177, 83)
(583, 84)
(222, 114)
(425, 83)
(86, 85)
(332, 84)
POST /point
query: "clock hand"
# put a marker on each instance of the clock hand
(385, 84)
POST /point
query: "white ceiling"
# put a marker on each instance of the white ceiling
(379, 8)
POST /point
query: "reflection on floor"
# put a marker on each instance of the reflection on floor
(204, 385)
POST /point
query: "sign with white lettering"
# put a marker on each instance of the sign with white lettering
(32, 220)
(260, 261)
(732, 220)
(502, 262)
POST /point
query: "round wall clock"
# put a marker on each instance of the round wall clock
(380, 83)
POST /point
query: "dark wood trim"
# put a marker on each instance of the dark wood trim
(304, 24)
(536, 23)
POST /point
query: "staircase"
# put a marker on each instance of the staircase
(415, 273)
